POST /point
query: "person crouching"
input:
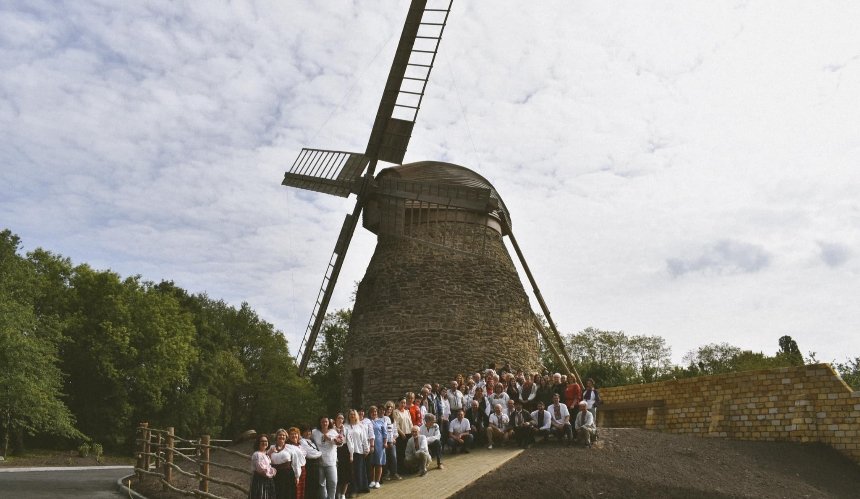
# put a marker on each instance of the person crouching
(584, 425)
(417, 452)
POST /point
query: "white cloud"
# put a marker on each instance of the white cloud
(715, 139)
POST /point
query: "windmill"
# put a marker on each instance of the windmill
(439, 230)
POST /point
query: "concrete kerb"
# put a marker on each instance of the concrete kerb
(26, 469)
(126, 489)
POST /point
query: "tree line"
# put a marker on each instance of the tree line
(85, 355)
(611, 358)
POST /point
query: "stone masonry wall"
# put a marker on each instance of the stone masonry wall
(425, 312)
(803, 404)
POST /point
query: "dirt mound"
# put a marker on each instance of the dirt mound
(633, 463)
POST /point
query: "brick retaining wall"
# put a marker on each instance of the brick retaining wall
(803, 404)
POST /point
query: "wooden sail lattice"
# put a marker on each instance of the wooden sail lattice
(431, 211)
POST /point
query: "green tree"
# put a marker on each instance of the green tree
(162, 342)
(613, 358)
(653, 357)
(850, 372)
(204, 402)
(719, 358)
(325, 367)
(274, 394)
(789, 354)
(713, 358)
(30, 381)
(129, 347)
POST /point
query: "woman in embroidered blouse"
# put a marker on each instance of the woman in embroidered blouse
(294, 443)
(262, 485)
(282, 457)
(344, 458)
(312, 464)
(359, 448)
(327, 440)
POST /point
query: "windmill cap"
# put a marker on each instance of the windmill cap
(447, 174)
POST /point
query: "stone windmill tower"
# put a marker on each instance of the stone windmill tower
(441, 294)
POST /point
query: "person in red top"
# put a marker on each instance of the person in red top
(573, 392)
(414, 404)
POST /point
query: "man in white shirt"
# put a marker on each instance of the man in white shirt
(498, 428)
(542, 420)
(584, 424)
(459, 433)
(417, 453)
(433, 433)
(560, 420)
(455, 397)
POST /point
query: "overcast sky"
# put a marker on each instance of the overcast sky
(686, 169)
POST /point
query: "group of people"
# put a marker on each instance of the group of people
(354, 454)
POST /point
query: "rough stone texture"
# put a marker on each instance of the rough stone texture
(428, 309)
(804, 404)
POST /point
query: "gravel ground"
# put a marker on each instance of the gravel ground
(633, 463)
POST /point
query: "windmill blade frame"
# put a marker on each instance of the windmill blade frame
(388, 141)
(566, 361)
(329, 172)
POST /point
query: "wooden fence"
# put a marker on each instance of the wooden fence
(158, 451)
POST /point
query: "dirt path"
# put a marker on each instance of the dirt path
(631, 463)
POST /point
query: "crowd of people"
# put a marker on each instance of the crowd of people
(355, 453)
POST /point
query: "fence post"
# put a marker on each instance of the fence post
(147, 438)
(141, 430)
(168, 457)
(158, 450)
(204, 463)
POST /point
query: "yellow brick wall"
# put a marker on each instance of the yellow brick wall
(803, 404)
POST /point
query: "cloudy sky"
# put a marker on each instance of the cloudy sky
(687, 169)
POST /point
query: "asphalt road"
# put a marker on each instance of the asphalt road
(91, 483)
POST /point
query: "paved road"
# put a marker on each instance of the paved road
(91, 483)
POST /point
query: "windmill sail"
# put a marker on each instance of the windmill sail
(407, 80)
(329, 172)
(403, 93)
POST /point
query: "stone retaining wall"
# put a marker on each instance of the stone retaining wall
(803, 404)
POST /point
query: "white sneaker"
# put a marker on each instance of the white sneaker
(489, 446)
(372, 485)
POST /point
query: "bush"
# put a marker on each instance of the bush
(84, 450)
(98, 451)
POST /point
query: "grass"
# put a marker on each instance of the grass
(53, 457)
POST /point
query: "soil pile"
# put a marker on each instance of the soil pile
(633, 463)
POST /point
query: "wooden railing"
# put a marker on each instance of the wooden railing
(157, 450)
